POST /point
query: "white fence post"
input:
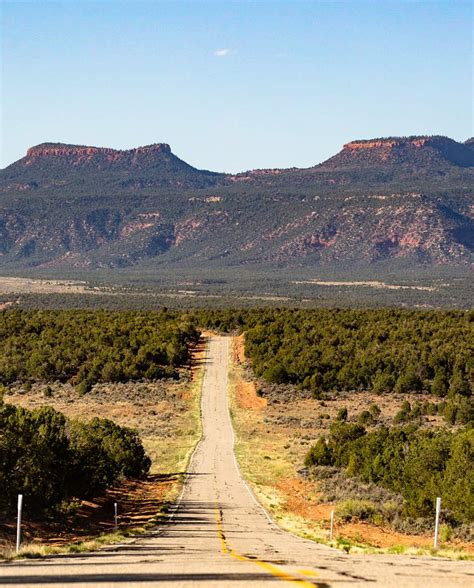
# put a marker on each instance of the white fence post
(18, 522)
(116, 515)
(331, 531)
(438, 509)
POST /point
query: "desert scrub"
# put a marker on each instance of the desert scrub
(363, 510)
(336, 486)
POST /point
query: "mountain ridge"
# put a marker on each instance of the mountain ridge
(55, 149)
(404, 149)
(381, 199)
(48, 149)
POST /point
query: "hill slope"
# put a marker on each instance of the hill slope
(68, 207)
(56, 165)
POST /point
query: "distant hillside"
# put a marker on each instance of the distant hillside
(76, 208)
(425, 154)
(56, 165)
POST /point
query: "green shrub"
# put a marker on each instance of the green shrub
(34, 456)
(342, 414)
(365, 418)
(458, 409)
(445, 532)
(458, 479)
(319, 454)
(418, 464)
(363, 510)
(390, 510)
(50, 459)
(374, 410)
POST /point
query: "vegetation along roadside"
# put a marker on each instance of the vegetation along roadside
(164, 416)
(277, 426)
(338, 410)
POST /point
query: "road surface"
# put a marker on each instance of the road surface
(220, 536)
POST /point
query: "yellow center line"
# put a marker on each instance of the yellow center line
(309, 573)
(268, 567)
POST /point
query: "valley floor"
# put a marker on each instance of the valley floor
(219, 534)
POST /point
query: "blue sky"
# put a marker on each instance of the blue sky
(234, 85)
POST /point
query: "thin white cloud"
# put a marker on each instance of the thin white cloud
(224, 52)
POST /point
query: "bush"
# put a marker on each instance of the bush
(365, 418)
(49, 459)
(445, 532)
(363, 510)
(458, 409)
(342, 414)
(319, 454)
(276, 374)
(375, 410)
(418, 464)
(458, 480)
(104, 452)
(34, 456)
(408, 412)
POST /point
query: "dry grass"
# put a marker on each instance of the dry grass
(367, 284)
(37, 550)
(10, 285)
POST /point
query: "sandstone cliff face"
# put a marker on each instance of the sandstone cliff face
(76, 155)
(439, 151)
(404, 227)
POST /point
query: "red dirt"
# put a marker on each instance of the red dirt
(247, 396)
(297, 493)
(239, 349)
(246, 393)
(138, 502)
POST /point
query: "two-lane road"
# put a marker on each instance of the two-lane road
(220, 536)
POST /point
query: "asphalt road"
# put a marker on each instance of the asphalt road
(220, 536)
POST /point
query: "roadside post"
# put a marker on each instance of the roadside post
(18, 522)
(438, 510)
(116, 516)
(331, 529)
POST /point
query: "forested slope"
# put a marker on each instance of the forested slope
(383, 350)
(85, 347)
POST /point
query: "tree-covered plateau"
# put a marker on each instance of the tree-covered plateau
(51, 459)
(85, 347)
